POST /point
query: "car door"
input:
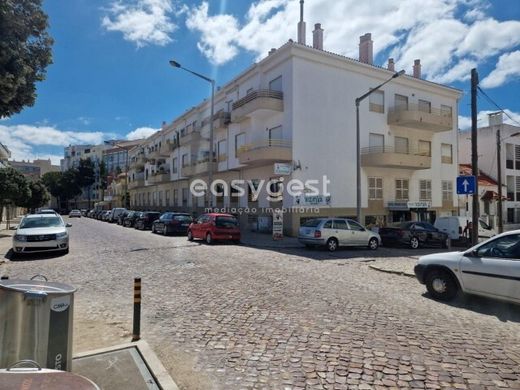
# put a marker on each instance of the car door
(493, 268)
(162, 222)
(359, 233)
(417, 230)
(341, 231)
(433, 235)
(326, 230)
(197, 229)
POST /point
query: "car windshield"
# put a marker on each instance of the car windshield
(44, 221)
(312, 223)
(227, 222)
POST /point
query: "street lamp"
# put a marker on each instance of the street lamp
(175, 64)
(358, 146)
(499, 177)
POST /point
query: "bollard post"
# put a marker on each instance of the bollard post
(136, 332)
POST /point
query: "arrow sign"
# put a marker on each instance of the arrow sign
(466, 185)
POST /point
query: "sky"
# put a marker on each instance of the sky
(110, 76)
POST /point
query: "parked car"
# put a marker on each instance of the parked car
(414, 235)
(83, 212)
(490, 269)
(172, 223)
(41, 233)
(114, 214)
(105, 215)
(145, 219)
(121, 217)
(129, 220)
(213, 227)
(459, 228)
(75, 214)
(335, 232)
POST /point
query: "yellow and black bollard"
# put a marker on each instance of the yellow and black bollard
(136, 333)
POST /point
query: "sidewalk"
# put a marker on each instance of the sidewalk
(264, 240)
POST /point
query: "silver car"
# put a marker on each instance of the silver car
(41, 233)
(336, 232)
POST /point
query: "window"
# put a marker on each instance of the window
(327, 225)
(446, 154)
(425, 148)
(167, 198)
(148, 196)
(185, 196)
(275, 134)
(510, 182)
(506, 247)
(377, 102)
(276, 84)
(154, 198)
(446, 111)
(275, 189)
(376, 143)
(517, 188)
(401, 189)
(401, 102)
(425, 190)
(240, 141)
(221, 150)
(175, 197)
(447, 190)
(160, 198)
(353, 225)
(401, 145)
(185, 160)
(375, 188)
(340, 224)
(425, 106)
(174, 165)
(510, 156)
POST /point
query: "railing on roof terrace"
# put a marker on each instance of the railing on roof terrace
(261, 93)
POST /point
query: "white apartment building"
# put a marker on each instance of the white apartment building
(487, 162)
(296, 106)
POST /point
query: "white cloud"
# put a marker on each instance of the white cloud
(21, 140)
(142, 21)
(489, 37)
(460, 72)
(482, 119)
(140, 132)
(508, 67)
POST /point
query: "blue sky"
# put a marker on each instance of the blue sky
(111, 77)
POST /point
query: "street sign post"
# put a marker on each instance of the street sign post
(466, 185)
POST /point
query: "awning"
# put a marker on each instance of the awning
(491, 195)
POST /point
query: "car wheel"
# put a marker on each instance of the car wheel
(414, 243)
(441, 285)
(373, 243)
(209, 239)
(190, 235)
(332, 244)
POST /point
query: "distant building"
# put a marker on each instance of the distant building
(35, 169)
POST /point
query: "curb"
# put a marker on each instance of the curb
(269, 246)
(389, 271)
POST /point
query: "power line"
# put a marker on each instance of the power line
(496, 105)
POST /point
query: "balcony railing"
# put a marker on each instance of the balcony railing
(391, 157)
(220, 119)
(257, 101)
(159, 177)
(418, 117)
(265, 151)
(191, 137)
(138, 181)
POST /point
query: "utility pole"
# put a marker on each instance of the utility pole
(499, 179)
(474, 156)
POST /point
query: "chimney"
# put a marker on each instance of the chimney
(317, 37)
(495, 119)
(391, 64)
(366, 48)
(301, 26)
(417, 69)
(271, 51)
(163, 125)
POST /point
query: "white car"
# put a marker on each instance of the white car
(41, 233)
(75, 213)
(490, 269)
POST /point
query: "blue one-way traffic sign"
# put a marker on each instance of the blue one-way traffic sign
(466, 185)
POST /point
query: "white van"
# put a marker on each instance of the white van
(457, 228)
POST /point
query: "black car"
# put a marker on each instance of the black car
(130, 218)
(145, 220)
(414, 234)
(121, 217)
(172, 223)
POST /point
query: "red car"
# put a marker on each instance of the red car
(215, 227)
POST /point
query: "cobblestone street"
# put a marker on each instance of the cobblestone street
(236, 317)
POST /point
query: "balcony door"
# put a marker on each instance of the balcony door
(401, 145)
(376, 143)
(401, 102)
(275, 136)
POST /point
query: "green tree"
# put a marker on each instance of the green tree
(25, 53)
(39, 196)
(102, 178)
(70, 187)
(52, 180)
(86, 176)
(14, 189)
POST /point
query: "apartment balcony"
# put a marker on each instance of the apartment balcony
(265, 152)
(190, 138)
(137, 182)
(411, 116)
(159, 177)
(138, 162)
(261, 103)
(388, 157)
(220, 121)
(188, 170)
(167, 147)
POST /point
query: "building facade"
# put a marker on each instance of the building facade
(487, 162)
(35, 169)
(295, 108)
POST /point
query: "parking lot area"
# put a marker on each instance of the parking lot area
(230, 316)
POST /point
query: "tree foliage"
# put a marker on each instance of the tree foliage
(14, 188)
(25, 53)
(86, 173)
(38, 198)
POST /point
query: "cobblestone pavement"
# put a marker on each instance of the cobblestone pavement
(234, 317)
